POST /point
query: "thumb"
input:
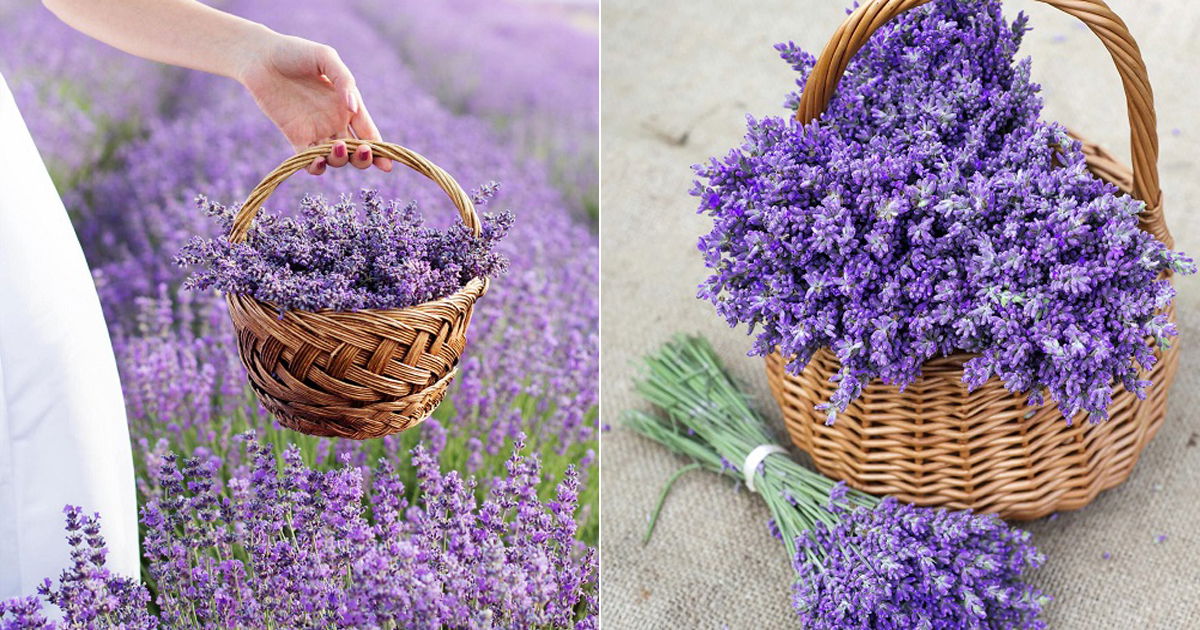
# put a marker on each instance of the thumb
(330, 64)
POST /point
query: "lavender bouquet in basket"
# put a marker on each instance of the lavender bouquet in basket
(929, 211)
(340, 257)
(861, 561)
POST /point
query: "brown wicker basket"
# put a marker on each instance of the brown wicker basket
(360, 374)
(937, 444)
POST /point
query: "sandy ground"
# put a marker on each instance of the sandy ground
(678, 78)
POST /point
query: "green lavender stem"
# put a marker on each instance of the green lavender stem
(705, 417)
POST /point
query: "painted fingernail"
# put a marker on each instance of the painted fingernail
(363, 153)
(339, 151)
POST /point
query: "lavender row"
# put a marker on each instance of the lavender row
(515, 65)
(80, 98)
(280, 544)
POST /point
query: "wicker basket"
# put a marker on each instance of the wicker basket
(937, 444)
(360, 374)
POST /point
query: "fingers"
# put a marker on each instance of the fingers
(361, 157)
(364, 127)
(361, 123)
(383, 164)
(339, 155)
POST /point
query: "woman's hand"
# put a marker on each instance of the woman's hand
(306, 90)
(302, 86)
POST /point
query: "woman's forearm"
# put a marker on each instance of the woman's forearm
(178, 32)
(301, 85)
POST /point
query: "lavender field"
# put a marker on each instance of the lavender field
(486, 516)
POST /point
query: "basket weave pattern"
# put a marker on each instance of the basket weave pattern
(360, 374)
(937, 444)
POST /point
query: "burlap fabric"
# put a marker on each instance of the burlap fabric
(679, 76)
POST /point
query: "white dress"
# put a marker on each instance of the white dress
(63, 432)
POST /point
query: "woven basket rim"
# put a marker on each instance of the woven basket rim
(945, 363)
(472, 290)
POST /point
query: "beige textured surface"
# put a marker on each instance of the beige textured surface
(679, 76)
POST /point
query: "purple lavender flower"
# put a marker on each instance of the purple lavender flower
(901, 566)
(23, 613)
(87, 595)
(338, 257)
(929, 212)
(285, 544)
(295, 544)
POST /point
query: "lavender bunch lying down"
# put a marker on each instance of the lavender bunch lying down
(930, 212)
(334, 256)
(861, 562)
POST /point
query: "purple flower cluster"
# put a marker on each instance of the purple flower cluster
(286, 545)
(898, 566)
(929, 212)
(336, 256)
(181, 375)
(306, 547)
(87, 594)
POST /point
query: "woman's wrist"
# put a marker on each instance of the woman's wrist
(251, 48)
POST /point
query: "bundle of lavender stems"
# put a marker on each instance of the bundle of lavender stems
(862, 561)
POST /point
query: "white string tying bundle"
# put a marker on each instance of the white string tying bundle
(755, 457)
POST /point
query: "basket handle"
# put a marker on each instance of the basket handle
(394, 152)
(1099, 18)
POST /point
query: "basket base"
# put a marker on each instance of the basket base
(358, 423)
(353, 374)
(935, 444)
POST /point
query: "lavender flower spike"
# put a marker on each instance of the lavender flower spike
(86, 595)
